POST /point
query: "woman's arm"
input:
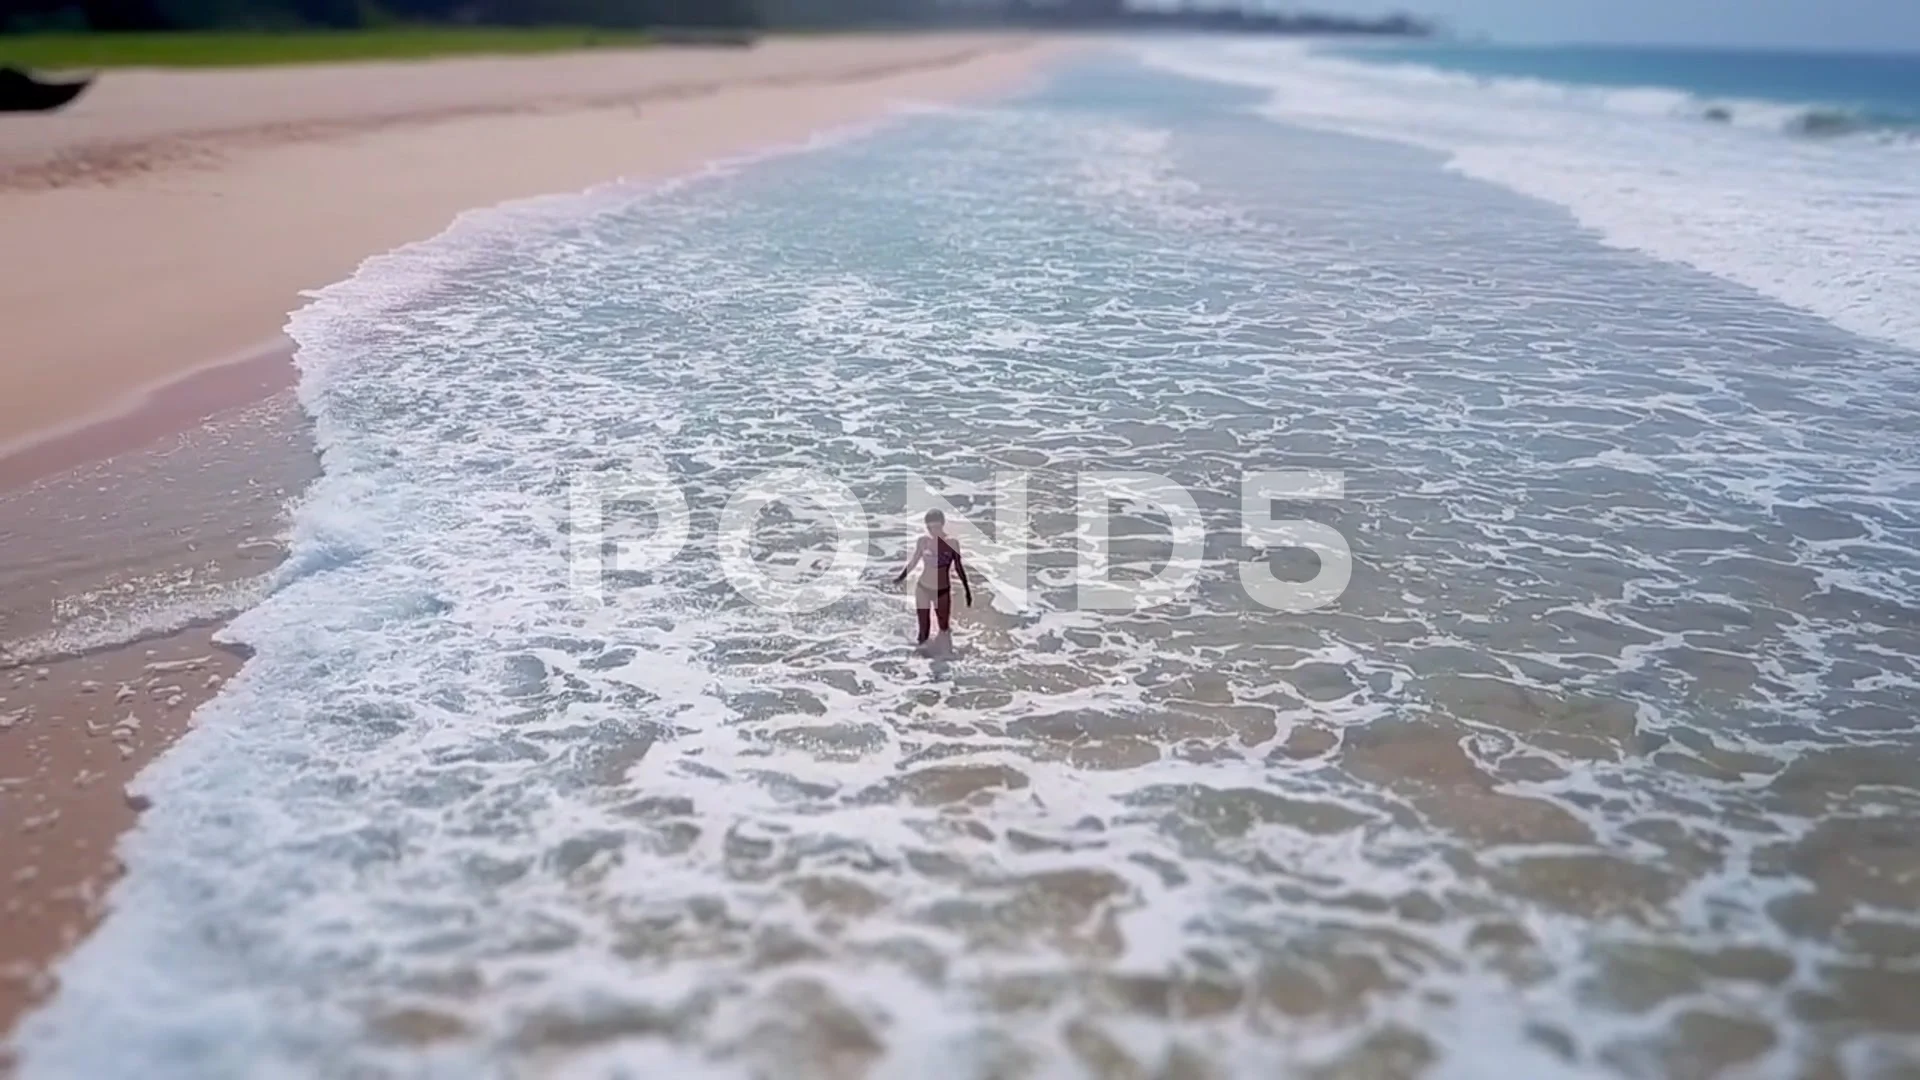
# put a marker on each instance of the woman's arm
(960, 567)
(919, 550)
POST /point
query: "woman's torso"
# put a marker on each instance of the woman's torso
(936, 568)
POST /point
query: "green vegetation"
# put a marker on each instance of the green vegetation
(226, 48)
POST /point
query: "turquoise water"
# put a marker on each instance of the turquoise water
(1602, 765)
(1852, 91)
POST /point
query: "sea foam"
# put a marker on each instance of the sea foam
(1831, 227)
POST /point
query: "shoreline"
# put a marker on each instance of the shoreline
(78, 723)
(183, 469)
(149, 414)
(201, 235)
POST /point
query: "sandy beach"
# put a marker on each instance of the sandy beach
(159, 233)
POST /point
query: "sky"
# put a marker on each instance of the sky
(1877, 25)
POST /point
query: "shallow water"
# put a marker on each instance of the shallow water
(185, 531)
(1602, 765)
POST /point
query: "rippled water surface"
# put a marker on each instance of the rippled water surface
(1603, 765)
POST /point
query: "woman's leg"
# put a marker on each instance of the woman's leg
(945, 608)
(920, 601)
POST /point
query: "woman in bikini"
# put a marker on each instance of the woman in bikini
(937, 558)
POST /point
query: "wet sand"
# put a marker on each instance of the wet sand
(149, 441)
(159, 412)
(76, 733)
(128, 543)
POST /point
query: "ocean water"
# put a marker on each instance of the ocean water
(1604, 764)
(1811, 93)
(1830, 225)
